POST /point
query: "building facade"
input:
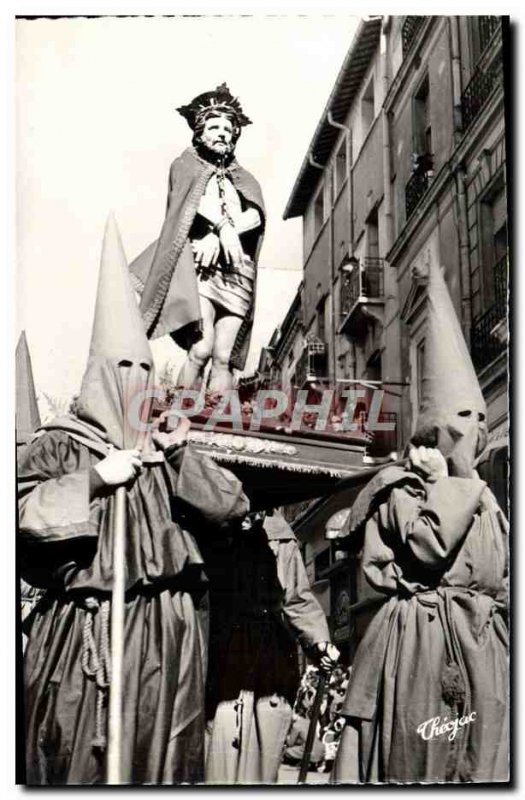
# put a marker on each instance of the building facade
(407, 166)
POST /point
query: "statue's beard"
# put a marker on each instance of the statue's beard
(215, 153)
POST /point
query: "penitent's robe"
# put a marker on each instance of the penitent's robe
(260, 604)
(436, 651)
(66, 548)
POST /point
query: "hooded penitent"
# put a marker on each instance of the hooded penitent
(451, 396)
(114, 392)
(66, 540)
(432, 580)
(27, 414)
(27, 421)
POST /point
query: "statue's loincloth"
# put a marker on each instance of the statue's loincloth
(229, 287)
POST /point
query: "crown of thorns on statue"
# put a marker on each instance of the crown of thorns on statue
(220, 100)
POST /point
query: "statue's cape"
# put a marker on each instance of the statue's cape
(165, 273)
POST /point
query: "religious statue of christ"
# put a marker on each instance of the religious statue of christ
(197, 281)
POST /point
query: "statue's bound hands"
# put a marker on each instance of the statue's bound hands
(206, 251)
(231, 244)
(171, 430)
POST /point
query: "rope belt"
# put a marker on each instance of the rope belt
(455, 684)
(96, 661)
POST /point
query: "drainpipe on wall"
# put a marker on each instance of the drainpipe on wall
(339, 126)
(460, 176)
(387, 174)
(387, 182)
(456, 77)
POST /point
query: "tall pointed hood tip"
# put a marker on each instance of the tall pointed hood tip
(449, 382)
(120, 362)
(118, 328)
(27, 413)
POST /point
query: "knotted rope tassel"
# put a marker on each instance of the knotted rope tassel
(96, 662)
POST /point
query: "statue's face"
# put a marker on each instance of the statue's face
(217, 134)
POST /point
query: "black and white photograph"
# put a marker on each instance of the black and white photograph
(261, 298)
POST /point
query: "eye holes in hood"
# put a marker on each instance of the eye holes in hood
(125, 363)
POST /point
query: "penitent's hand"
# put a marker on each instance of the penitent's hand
(326, 655)
(119, 467)
(429, 461)
(231, 245)
(206, 250)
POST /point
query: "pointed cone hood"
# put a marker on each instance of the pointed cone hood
(449, 384)
(118, 329)
(27, 414)
(120, 362)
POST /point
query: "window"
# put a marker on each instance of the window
(493, 235)
(321, 321)
(373, 367)
(340, 167)
(422, 130)
(372, 235)
(367, 108)
(319, 211)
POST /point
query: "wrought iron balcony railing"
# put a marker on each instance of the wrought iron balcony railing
(500, 273)
(479, 90)
(365, 281)
(409, 31)
(487, 339)
(312, 363)
(415, 189)
(487, 27)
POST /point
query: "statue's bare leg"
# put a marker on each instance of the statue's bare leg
(226, 330)
(200, 353)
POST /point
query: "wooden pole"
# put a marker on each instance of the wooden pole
(307, 752)
(114, 768)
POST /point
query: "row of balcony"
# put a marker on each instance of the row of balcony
(362, 294)
(489, 334)
(487, 27)
(409, 31)
(483, 82)
(313, 362)
(361, 280)
(362, 284)
(415, 189)
(473, 100)
(488, 338)
(478, 91)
